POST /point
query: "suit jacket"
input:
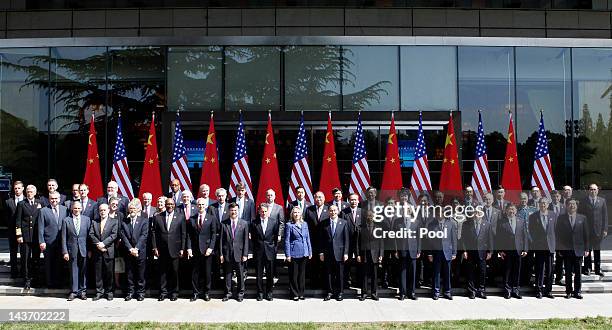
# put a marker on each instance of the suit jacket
(278, 212)
(313, 219)
(75, 244)
(572, 241)
(10, 211)
(446, 244)
(108, 236)
(201, 238)
(540, 238)
(248, 209)
(234, 247)
(476, 244)
(26, 220)
(122, 207)
(506, 240)
(367, 205)
(265, 244)
(169, 241)
(177, 199)
(494, 217)
(597, 216)
(342, 206)
(90, 209)
(214, 211)
(368, 243)
(44, 200)
(408, 246)
(551, 207)
(151, 211)
(334, 244)
(192, 209)
(49, 226)
(135, 236)
(295, 203)
(354, 227)
(297, 241)
(504, 202)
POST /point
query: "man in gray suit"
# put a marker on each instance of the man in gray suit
(500, 201)
(334, 250)
(275, 211)
(246, 206)
(234, 247)
(103, 233)
(75, 231)
(407, 250)
(572, 234)
(596, 212)
(542, 241)
(477, 244)
(49, 238)
(441, 251)
(512, 243)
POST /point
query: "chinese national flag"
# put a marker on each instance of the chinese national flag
(392, 174)
(269, 178)
(450, 178)
(93, 179)
(329, 168)
(511, 177)
(151, 181)
(210, 167)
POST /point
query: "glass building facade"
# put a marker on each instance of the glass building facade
(48, 96)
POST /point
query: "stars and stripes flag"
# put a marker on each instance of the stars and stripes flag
(420, 182)
(240, 167)
(300, 174)
(360, 173)
(542, 170)
(481, 183)
(121, 172)
(180, 170)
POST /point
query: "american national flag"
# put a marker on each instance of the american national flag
(240, 168)
(481, 183)
(180, 170)
(542, 170)
(121, 172)
(360, 173)
(300, 174)
(420, 183)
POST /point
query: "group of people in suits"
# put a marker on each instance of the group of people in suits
(203, 240)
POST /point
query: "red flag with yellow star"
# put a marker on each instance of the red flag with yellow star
(210, 167)
(511, 177)
(329, 167)
(93, 178)
(450, 178)
(268, 177)
(392, 174)
(151, 181)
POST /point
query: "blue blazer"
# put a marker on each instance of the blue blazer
(297, 241)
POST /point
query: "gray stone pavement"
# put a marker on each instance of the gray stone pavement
(317, 310)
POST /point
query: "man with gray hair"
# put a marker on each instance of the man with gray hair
(112, 190)
(49, 238)
(75, 231)
(147, 205)
(542, 242)
(103, 233)
(27, 215)
(134, 234)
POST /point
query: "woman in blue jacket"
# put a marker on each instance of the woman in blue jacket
(297, 250)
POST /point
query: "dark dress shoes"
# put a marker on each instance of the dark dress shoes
(162, 297)
(401, 297)
(206, 297)
(517, 295)
(302, 298)
(109, 296)
(549, 295)
(448, 296)
(226, 298)
(173, 298)
(506, 295)
(83, 296)
(472, 296)
(539, 295)
(71, 297)
(568, 295)
(259, 297)
(328, 297)
(194, 297)
(362, 297)
(128, 297)
(339, 298)
(296, 298)
(578, 295)
(436, 297)
(269, 297)
(97, 297)
(412, 296)
(375, 297)
(140, 298)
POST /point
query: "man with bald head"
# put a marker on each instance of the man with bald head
(175, 192)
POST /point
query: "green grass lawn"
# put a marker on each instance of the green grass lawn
(585, 323)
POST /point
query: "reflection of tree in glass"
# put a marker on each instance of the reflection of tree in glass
(253, 76)
(595, 149)
(365, 97)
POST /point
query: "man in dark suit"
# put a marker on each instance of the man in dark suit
(112, 190)
(201, 244)
(337, 200)
(334, 245)
(134, 233)
(353, 216)
(275, 211)
(500, 203)
(371, 248)
(204, 192)
(148, 210)
(371, 202)
(103, 233)
(300, 201)
(512, 243)
(596, 211)
(175, 192)
(492, 215)
(234, 247)
(220, 212)
(27, 237)
(76, 196)
(558, 207)
(50, 239)
(542, 241)
(407, 248)
(264, 232)
(441, 251)
(51, 187)
(75, 233)
(315, 215)
(572, 232)
(169, 235)
(477, 244)
(468, 196)
(187, 206)
(90, 207)
(246, 206)
(10, 212)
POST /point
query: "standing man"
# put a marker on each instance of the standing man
(234, 243)
(186, 206)
(175, 193)
(407, 249)
(567, 194)
(337, 193)
(103, 233)
(204, 192)
(300, 201)
(441, 251)
(29, 251)
(220, 213)
(353, 215)
(134, 234)
(10, 213)
(468, 196)
(169, 234)
(596, 212)
(542, 241)
(50, 239)
(370, 249)
(51, 187)
(246, 206)
(75, 231)
(333, 251)
(264, 233)
(477, 244)
(76, 196)
(314, 216)
(572, 233)
(112, 190)
(558, 207)
(512, 243)
(147, 208)
(500, 202)
(275, 211)
(89, 206)
(201, 244)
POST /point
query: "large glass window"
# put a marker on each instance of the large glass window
(370, 78)
(429, 78)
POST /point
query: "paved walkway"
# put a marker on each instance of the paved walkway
(317, 310)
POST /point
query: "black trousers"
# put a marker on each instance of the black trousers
(408, 275)
(512, 271)
(105, 273)
(441, 268)
(316, 274)
(527, 268)
(202, 267)
(369, 272)
(13, 247)
(558, 266)
(168, 280)
(572, 266)
(54, 265)
(544, 271)
(263, 265)
(135, 268)
(297, 276)
(30, 255)
(230, 266)
(476, 273)
(335, 276)
(596, 256)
